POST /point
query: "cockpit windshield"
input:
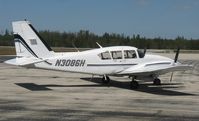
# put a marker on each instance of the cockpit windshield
(141, 54)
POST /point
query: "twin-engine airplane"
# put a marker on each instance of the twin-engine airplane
(33, 51)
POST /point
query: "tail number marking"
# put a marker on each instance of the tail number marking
(63, 62)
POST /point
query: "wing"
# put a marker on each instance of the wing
(155, 68)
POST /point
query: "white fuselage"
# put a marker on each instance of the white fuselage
(90, 62)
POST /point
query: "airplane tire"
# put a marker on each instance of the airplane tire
(105, 80)
(157, 81)
(134, 84)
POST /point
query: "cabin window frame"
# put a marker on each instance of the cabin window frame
(132, 56)
(118, 54)
(102, 56)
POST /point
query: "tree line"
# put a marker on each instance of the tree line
(86, 39)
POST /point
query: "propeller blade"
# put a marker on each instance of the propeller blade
(176, 56)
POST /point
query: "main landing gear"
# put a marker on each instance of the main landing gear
(157, 81)
(134, 84)
(105, 79)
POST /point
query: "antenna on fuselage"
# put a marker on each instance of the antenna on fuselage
(98, 44)
(73, 44)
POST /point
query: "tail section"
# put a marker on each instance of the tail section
(28, 42)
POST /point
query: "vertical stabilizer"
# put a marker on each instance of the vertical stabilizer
(28, 42)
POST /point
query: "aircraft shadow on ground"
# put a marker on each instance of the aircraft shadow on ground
(36, 87)
(162, 89)
(144, 87)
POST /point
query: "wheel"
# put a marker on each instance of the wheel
(157, 81)
(105, 79)
(134, 84)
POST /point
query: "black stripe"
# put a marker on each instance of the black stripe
(44, 42)
(163, 63)
(111, 64)
(48, 62)
(18, 38)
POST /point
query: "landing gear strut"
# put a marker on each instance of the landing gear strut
(157, 81)
(105, 79)
(134, 84)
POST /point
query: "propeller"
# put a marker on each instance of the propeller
(175, 60)
(177, 53)
(171, 76)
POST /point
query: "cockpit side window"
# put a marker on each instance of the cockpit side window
(116, 54)
(105, 55)
(128, 54)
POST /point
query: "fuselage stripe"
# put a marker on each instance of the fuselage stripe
(18, 38)
(111, 64)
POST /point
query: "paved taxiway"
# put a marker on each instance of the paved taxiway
(42, 95)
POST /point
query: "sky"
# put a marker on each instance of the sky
(149, 18)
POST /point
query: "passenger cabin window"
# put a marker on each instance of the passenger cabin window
(128, 54)
(116, 54)
(105, 55)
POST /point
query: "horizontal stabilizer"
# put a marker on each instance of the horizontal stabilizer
(23, 61)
